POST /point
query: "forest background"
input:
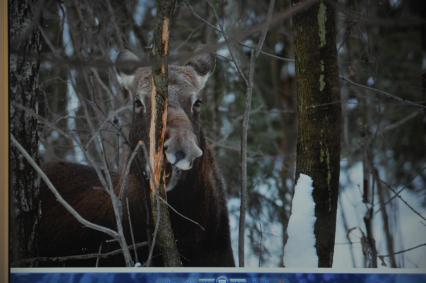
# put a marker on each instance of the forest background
(381, 55)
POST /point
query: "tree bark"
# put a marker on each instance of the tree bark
(159, 100)
(24, 183)
(318, 116)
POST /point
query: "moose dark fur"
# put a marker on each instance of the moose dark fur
(195, 187)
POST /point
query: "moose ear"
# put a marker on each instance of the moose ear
(203, 66)
(127, 64)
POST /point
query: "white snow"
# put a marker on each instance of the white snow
(279, 47)
(140, 11)
(406, 227)
(66, 35)
(299, 250)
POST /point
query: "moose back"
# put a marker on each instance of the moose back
(194, 188)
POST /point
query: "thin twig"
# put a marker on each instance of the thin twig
(243, 206)
(81, 256)
(384, 93)
(239, 42)
(237, 36)
(403, 251)
(105, 176)
(145, 151)
(402, 199)
(228, 43)
(397, 194)
(98, 257)
(115, 26)
(131, 229)
(58, 196)
(385, 217)
(265, 28)
(127, 169)
(107, 120)
(119, 233)
(398, 123)
(180, 214)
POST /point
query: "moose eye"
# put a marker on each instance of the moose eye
(138, 105)
(197, 104)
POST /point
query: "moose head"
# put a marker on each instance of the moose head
(182, 143)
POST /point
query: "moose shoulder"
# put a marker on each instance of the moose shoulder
(194, 185)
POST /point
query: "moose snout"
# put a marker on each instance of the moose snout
(182, 151)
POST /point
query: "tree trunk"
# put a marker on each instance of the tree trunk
(24, 183)
(318, 116)
(159, 100)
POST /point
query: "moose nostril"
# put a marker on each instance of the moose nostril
(179, 156)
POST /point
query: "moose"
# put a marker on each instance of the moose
(195, 188)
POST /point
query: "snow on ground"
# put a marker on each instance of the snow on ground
(271, 240)
(408, 230)
(299, 250)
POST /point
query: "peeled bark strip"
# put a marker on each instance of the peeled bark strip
(318, 110)
(24, 183)
(159, 99)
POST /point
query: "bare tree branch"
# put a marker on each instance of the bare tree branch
(228, 44)
(62, 201)
(81, 256)
(245, 124)
(131, 229)
(403, 251)
(384, 93)
(389, 187)
(265, 28)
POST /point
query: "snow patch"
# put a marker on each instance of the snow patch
(140, 11)
(299, 250)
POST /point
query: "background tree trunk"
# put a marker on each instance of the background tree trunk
(318, 108)
(24, 183)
